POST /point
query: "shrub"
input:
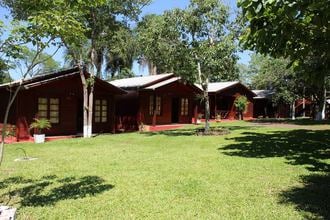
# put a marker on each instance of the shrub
(241, 103)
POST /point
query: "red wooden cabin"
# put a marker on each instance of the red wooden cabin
(222, 96)
(58, 97)
(155, 100)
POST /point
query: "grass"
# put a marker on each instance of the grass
(255, 172)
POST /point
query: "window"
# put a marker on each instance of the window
(54, 111)
(184, 106)
(158, 106)
(49, 108)
(101, 111)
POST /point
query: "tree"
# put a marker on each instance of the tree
(287, 82)
(274, 74)
(208, 43)
(195, 43)
(105, 22)
(109, 40)
(297, 29)
(4, 74)
(40, 31)
(157, 40)
(46, 62)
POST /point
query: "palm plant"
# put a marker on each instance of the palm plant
(40, 124)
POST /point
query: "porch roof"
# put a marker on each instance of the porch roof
(219, 86)
(263, 94)
(162, 83)
(142, 81)
(55, 76)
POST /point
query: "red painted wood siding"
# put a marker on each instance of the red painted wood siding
(69, 92)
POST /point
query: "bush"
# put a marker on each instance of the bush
(241, 103)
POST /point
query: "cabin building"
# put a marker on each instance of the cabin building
(58, 97)
(155, 100)
(222, 96)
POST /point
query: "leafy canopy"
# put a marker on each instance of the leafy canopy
(298, 29)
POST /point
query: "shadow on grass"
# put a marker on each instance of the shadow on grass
(313, 197)
(193, 131)
(49, 190)
(293, 122)
(299, 147)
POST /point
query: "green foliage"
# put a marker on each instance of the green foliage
(241, 103)
(244, 74)
(158, 39)
(111, 46)
(39, 26)
(296, 29)
(4, 74)
(40, 124)
(276, 75)
(45, 62)
(123, 74)
(179, 39)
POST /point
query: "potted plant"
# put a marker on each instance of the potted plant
(39, 125)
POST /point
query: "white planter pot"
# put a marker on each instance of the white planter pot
(39, 138)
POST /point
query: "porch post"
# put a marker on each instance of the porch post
(215, 106)
(154, 117)
(195, 113)
(113, 115)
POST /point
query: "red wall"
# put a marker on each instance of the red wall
(69, 91)
(135, 105)
(225, 101)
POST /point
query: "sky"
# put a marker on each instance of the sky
(156, 7)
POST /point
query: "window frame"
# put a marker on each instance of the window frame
(155, 106)
(48, 109)
(184, 107)
(101, 111)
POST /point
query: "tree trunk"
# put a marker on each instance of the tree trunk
(293, 111)
(324, 104)
(205, 85)
(207, 109)
(90, 110)
(4, 127)
(321, 105)
(85, 103)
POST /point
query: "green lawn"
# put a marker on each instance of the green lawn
(255, 172)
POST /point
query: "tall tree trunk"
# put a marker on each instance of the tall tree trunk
(90, 110)
(4, 127)
(85, 103)
(324, 104)
(152, 68)
(205, 85)
(293, 110)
